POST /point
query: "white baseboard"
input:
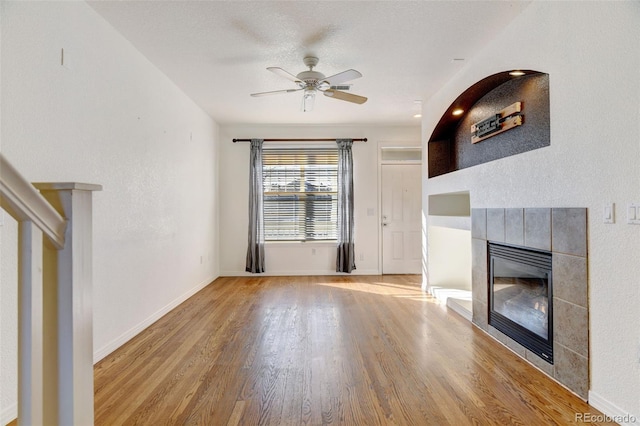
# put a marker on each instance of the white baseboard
(296, 273)
(8, 414)
(134, 331)
(612, 412)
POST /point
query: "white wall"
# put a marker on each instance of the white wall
(449, 256)
(107, 116)
(592, 54)
(297, 258)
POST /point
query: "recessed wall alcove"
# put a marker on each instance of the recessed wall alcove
(449, 247)
(450, 147)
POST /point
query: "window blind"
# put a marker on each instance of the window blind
(300, 194)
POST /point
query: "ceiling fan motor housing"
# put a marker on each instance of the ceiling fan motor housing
(312, 78)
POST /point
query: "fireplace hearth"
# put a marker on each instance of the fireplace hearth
(520, 297)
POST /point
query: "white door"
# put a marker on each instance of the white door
(401, 219)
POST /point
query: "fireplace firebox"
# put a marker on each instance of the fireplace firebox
(520, 296)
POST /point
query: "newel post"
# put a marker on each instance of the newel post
(68, 324)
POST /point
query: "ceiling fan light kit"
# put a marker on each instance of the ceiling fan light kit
(308, 100)
(312, 82)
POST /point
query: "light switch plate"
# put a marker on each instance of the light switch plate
(609, 213)
(633, 214)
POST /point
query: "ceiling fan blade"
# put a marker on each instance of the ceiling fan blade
(283, 73)
(344, 96)
(342, 77)
(275, 92)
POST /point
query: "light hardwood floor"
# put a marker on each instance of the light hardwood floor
(350, 350)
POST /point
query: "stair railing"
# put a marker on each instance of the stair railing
(55, 315)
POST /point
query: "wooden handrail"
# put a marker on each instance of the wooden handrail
(24, 203)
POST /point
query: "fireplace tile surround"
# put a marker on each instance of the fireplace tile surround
(563, 231)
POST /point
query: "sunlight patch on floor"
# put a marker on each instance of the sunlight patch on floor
(412, 292)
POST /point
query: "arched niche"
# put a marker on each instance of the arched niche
(450, 146)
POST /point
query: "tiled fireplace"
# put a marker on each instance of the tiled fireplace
(563, 233)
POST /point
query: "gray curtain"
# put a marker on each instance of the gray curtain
(255, 249)
(345, 260)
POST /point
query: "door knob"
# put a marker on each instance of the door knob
(384, 224)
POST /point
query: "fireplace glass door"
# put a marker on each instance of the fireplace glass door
(520, 296)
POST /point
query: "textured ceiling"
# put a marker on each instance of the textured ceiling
(217, 52)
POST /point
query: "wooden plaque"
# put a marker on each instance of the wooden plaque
(506, 119)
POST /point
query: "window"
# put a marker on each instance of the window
(300, 194)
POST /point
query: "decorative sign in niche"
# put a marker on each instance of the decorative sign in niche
(504, 120)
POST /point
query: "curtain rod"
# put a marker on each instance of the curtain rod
(298, 140)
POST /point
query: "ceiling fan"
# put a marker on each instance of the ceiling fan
(310, 82)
